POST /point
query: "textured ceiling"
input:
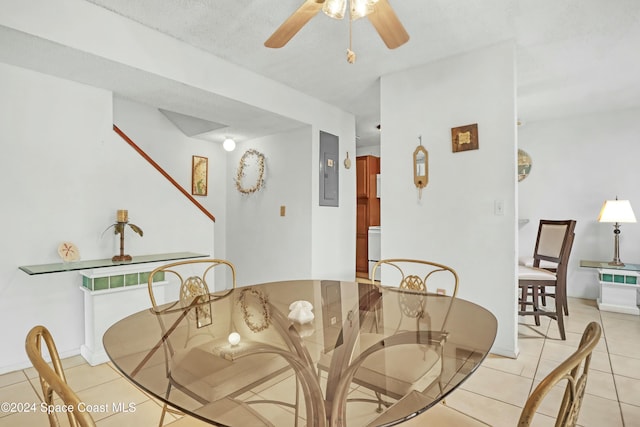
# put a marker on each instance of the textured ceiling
(573, 56)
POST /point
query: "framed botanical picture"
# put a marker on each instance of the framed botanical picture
(199, 175)
(464, 138)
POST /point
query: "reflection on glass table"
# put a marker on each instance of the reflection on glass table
(370, 355)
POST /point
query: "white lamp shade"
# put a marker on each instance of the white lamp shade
(616, 211)
(229, 144)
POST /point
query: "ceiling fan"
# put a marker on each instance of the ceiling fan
(379, 13)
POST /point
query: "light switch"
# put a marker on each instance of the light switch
(498, 207)
(282, 210)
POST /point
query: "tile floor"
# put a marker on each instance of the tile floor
(494, 394)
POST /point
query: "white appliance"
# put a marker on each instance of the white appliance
(374, 249)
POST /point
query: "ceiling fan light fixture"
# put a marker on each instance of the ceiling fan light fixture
(360, 8)
(335, 8)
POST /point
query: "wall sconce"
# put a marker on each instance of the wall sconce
(420, 167)
(616, 211)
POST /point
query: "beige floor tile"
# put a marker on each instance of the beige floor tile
(277, 415)
(628, 389)
(625, 366)
(600, 361)
(624, 347)
(111, 398)
(577, 322)
(609, 315)
(598, 412)
(582, 305)
(18, 394)
(530, 346)
(273, 381)
(619, 328)
(631, 415)
(551, 402)
(621, 322)
(284, 390)
(494, 412)
(556, 350)
(524, 365)
(36, 418)
(599, 383)
(499, 385)
(187, 421)
(84, 376)
(527, 328)
(68, 363)
(145, 414)
(573, 338)
(361, 413)
(12, 378)
(559, 351)
(541, 420)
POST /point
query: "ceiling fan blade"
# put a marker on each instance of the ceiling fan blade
(294, 23)
(387, 24)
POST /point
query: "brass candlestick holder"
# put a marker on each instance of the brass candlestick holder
(118, 227)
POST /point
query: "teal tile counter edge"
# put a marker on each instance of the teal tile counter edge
(119, 280)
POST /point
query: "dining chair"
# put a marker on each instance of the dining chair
(191, 367)
(422, 367)
(193, 280)
(417, 275)
(194, 277)
(574, 370)
(53, 380)
(553, 244)
(547, 265)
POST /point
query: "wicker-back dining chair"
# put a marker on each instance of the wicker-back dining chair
(417, 275)
(53, 380)
(573, 371)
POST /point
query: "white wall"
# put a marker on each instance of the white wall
(454, 221)
(263, 245)
(65, 173)
(333, 252)
(578, 163)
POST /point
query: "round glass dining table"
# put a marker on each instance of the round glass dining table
(303, 352)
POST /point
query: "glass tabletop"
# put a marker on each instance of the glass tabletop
(325, 353)
(60, 267)
(607, 264)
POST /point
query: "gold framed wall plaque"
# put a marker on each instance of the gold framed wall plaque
(464, 138)
(199, 175)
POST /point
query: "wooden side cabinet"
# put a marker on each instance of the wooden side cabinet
(368, 207)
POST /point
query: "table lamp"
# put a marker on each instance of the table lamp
(616, 211)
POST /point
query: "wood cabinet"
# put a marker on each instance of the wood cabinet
(368, 207)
